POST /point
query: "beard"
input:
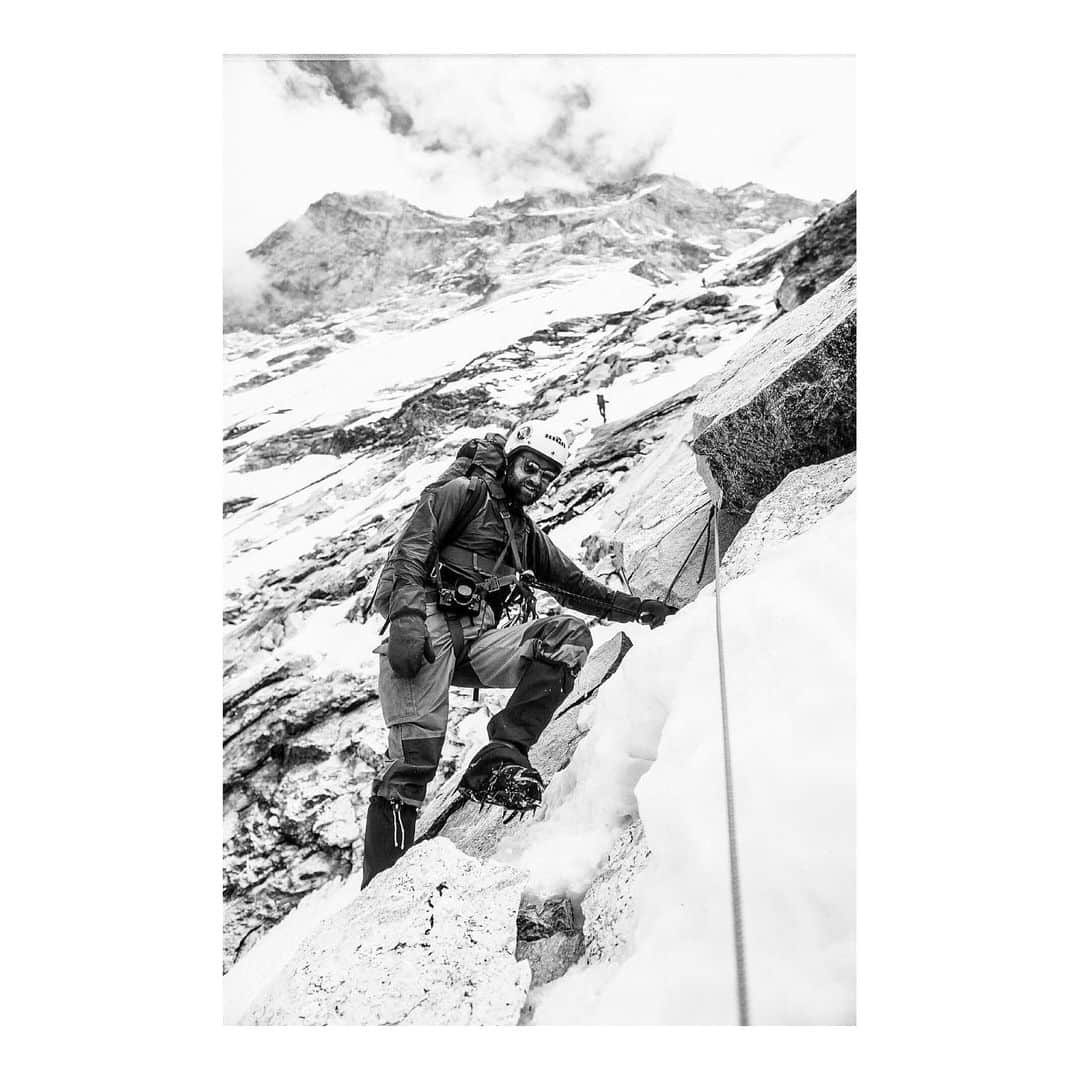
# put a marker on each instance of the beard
(521, 491)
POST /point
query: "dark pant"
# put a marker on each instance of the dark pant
(389, 832)
(539, 659)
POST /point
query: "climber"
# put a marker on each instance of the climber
(601, 404)
(448, 586)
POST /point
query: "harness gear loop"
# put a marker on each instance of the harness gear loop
(733, 854)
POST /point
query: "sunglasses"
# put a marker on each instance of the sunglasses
(530, 468)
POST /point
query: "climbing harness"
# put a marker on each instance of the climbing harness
(523, 593)
(733, 854)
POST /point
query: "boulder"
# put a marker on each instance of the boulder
(658, 522)
(549, 937)
(803, 498)
(785, 400)
(432, 942)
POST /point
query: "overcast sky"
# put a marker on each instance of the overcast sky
(454, 133)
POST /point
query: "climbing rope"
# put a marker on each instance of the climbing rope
(704, 557)
(733, 854)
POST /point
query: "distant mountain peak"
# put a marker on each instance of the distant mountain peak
(364, 201)
(347, 249)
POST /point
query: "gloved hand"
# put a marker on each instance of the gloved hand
(654, 612)
(409, 645)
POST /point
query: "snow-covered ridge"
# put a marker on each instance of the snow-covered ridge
(348, 250)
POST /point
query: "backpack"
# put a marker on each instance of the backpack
(479, 460)
(478, 457)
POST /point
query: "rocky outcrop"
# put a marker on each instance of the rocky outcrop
(785, 400)
(298, 756)
(432, 943)
(819, 256)
(657, 522)
(550, 937)
(811, 261)
(802, 499)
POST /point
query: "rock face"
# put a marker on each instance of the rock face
(349, 249)
(657, 523)
(786, 400)
(819, 256)
(431, 943)
(299, 758)
(809, 262)
(802, 498)
(549, 938)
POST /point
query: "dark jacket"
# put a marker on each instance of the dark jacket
(406, 584)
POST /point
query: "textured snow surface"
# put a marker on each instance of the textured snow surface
(431, 943)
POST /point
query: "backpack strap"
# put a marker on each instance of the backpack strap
(504, 513)
(524, 577)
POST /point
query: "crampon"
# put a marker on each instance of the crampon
(515, 788)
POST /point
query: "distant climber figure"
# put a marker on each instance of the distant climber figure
(601, 403)
(467, 553)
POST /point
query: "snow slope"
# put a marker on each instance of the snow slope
(656, 740)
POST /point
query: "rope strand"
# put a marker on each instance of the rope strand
(733, 853)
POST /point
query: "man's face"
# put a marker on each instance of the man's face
(528, 476)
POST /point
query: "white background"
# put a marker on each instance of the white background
(112, 475)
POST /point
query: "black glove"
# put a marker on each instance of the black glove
(654, 612)
(409, 645)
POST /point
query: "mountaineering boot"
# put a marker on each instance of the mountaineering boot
(500, 775)
(389, 833)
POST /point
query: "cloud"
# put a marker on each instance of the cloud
(501, 124)
(244, 281)
(353, 82)
(454, 133)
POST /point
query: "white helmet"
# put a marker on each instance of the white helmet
(542, 438)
